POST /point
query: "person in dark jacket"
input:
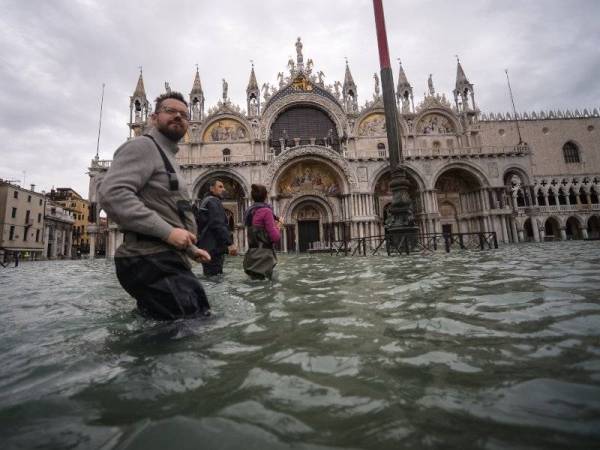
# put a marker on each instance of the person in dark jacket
(263, 231)
(214, 236)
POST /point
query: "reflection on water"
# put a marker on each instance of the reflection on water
(467, 350)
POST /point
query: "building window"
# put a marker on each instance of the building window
(29, 198)
(40, 202)
(39, 217)
(25, 234)
(37, 235)
(571, 153)
(27, 214)
(16, 194)
(14, 213)
(11, 234)
(226, 155)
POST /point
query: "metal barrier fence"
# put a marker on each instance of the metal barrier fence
(423, 243)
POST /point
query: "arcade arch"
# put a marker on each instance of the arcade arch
(461, 201)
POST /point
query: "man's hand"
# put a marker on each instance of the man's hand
(279, 224)
(199, 255)
(181, 239)
(232, 250)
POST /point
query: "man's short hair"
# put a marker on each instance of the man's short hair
(213, 182)
(174, 95)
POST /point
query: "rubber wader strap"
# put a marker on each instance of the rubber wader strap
(173, 182)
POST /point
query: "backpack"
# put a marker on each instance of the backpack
(201, 214)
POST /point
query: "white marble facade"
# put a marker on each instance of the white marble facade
(528, 178)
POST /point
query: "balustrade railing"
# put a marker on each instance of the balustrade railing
(423, 243)
(559, 208)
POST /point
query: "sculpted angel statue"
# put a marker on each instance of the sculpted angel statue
(291, 66)
(280, 78)
(265, 89)
(376, 78)
(336, 86)
(299, 56)
(225, 88)
(321, 75)
(309, 66)
(430, 85)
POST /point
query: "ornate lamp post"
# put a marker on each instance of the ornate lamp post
(400, 230)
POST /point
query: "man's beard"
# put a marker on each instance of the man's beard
(173, 134)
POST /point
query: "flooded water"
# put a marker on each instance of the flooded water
(491, 350)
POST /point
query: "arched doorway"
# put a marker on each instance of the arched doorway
(310, 218)
(528, 229)
(593, 227)
(308, 191)
(552, 229)
(459, 200)
(573, 229)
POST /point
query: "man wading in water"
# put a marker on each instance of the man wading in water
(145, 194)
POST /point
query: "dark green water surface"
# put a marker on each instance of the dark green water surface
(490, 350)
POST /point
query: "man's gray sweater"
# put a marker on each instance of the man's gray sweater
(135, 190)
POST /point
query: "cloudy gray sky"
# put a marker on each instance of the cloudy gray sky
(55, 55)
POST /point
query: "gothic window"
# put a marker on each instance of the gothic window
(571, 153)
(226, 155)
(381, 149)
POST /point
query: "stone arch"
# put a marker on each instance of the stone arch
(552, 227)
(308, 175)
(552, 192)
(520, 171)
(211, 124)
(379, 187)
(288, 212)
(206, 176)
(573, 226)
(528, 229)
(411, 170)
(327, 156)
(448, 115)
(329, 107)
(593, 226)
(468, 167)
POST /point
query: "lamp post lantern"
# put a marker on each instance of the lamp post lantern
(400, 230)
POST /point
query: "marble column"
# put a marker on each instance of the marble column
(504, 229)
(513, 227)
(563, 234)
(536, 231)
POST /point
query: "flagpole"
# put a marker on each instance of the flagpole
(100, 125)
(400, 230)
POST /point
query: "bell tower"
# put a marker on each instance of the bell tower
(404, 93)
(349, 93)
(139, 108)
(253, 95)
(197, 99)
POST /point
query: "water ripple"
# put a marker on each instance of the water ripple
(470, 349)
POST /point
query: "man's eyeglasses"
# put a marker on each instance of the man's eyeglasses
(173, 112)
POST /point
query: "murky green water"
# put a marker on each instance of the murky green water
(498, 349)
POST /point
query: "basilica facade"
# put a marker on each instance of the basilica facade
(324, 160)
